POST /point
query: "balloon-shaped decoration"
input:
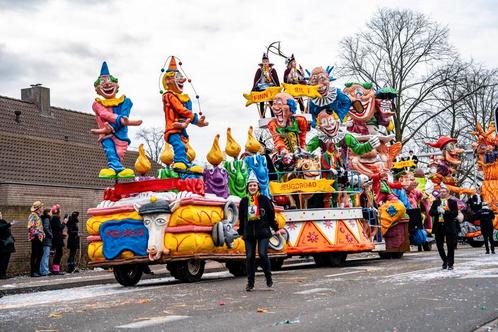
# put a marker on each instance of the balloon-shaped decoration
(232, 148)
(252, 144)
(167, 154)
(215, 155)
(142, 164)
(190, 153)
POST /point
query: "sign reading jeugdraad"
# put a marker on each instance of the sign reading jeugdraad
(126, 234)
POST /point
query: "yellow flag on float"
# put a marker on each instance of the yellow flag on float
(403, 164)
(301, 90)
(301, 185)
(267, 94)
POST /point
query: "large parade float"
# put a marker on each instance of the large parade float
(325, 156)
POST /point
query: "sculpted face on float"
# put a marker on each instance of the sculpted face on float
(156, 224)
(176, 82)
(107, 86)
(319, 77)
(452, 153)
(328, 124)
(281, 110)
(366, 95)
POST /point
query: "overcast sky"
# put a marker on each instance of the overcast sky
(62, 44)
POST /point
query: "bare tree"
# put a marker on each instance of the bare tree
(153, 140)
(411, 53)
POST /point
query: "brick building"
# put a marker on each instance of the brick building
(47, 154)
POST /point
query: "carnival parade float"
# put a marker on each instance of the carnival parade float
(326, 157)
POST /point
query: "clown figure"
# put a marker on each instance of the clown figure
(288, 130)
(331, 98)
(112, 119)
(178, 114)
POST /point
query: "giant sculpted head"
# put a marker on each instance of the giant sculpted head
(156, 217)
(365, 94)
(284, 107)
(173, 79)
(106, 85)
(320, 77)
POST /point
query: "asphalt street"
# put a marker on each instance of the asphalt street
(367, 294)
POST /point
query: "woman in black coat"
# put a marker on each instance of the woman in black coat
(6, 246)
(256, 216)
(73, 239)
(447, 209)
(57, 238)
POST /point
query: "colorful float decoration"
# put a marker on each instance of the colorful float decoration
(186, 214)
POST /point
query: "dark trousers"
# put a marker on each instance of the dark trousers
(36, 255)
(450, 243)
(4, 262)
(264, 261)
(488, 236)
(58, 255)
(70, 260)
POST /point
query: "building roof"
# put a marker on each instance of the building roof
(54, 150)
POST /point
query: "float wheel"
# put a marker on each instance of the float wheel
(187, 271)
(277, 263)
(320, 260)
(128, 275)
(475, 244)
(337, 258)
(397, 255)
(237, 268)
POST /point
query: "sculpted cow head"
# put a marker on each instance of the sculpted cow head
(156, 217)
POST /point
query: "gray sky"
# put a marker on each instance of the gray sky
(63, 43)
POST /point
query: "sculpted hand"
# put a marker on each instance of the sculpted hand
(202, 122)
(374, 141)
(127, 122)
(181, 124)
(106, 130)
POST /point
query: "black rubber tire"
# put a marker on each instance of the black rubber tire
(384, 255)
(427, 246)
(336, 259)
(128, 275)
(187, 271)
(237, 268)
(321, 260)
(475, 244)
(397, 255)
(277, 263)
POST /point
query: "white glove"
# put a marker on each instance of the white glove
(440, 210)
(374, 141)
(349, 123)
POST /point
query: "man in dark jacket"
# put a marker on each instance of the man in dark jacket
(6, 246)
(256, 216)
(57, 238)
(486, 217)
(444, 210)
(73, 240)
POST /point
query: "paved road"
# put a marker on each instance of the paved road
(411, 294)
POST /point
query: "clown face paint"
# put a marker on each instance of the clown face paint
(176, 82)
(106, 87)
(282, 111)
(320, 77)
(328, 124)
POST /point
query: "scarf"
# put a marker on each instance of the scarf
(253, 207)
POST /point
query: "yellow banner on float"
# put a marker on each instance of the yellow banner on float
(403, 164)
(267, 94)
(301, 90)
(301, 185)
